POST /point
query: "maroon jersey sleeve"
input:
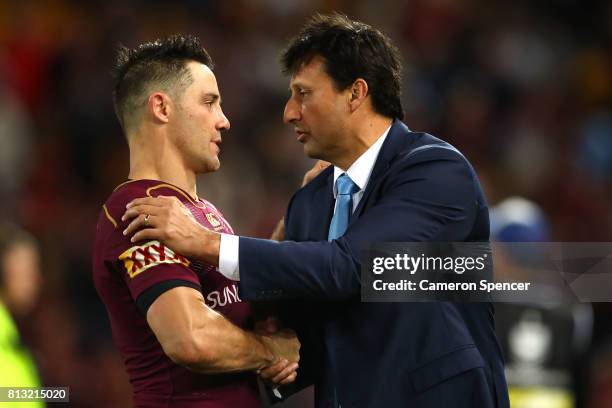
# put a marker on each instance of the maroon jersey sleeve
(149, 268)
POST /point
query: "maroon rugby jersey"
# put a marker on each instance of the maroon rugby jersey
(129, 277)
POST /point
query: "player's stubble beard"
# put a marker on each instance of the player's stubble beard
(195, 146)
(201, 160)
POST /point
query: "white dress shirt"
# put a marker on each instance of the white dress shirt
(360, 172)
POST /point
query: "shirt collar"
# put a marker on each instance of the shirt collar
(361, 169)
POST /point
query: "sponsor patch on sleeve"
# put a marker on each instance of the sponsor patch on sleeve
(139, 258)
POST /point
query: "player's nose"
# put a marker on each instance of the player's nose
(223, 123)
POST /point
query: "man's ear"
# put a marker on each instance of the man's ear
(358, 92)
(159, 106)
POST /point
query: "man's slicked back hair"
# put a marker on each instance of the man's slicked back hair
(161, 64)
(351, 50)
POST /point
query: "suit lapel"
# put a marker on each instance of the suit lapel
(323, 203)
(397, 139)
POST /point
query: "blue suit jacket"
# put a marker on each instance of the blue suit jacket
(429, 354)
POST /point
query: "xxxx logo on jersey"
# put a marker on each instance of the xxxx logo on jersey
(139, 258)
(212, 219)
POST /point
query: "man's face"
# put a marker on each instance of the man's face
(317, 111)
(199, 121)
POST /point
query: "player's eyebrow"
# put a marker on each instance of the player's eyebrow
(212, 96)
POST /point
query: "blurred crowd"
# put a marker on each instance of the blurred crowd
(523, 88)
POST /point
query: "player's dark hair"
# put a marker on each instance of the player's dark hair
(351, 50)
(162, 63)
(10, 236)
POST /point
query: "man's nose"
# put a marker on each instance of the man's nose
(292, 112)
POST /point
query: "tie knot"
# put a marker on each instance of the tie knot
(345, 185)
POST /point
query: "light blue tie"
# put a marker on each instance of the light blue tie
(345, 188)
(344, 206)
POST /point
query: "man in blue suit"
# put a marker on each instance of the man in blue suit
(387, 184)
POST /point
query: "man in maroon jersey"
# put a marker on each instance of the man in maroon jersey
(178, 323)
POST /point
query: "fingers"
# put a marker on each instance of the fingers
(147, 234)
(141, 221)
(279, 231)
(287, 375)
(138, 205)
(135, 210)
(153, 201)
(270, 371)
(318, 167)
(281, 372)
(289, 379)
(322, 164)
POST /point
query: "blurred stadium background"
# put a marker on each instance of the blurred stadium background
(522, 87)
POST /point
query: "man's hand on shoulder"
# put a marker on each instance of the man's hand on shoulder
(279, 232)
(166, 219)
(318, 167)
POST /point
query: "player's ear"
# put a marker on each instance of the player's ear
(159, 107)
(358, 92)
